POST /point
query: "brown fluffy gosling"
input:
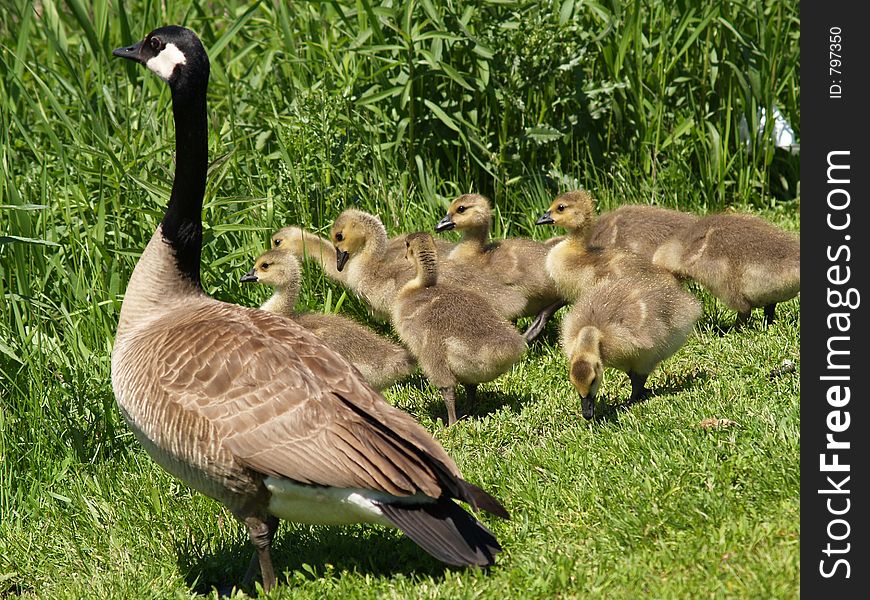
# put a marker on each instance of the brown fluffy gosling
(361, 247)
(380, 361)
(574, 264)
(518, 263)
(455, 334)
(630, 324)
(742, 259)
(638, 228)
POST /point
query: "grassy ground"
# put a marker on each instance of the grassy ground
(328, 105)
(643, 503)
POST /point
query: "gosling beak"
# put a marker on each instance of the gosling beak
(588, 406)
(445, 224)
(249, 277)
(545, 219)
(340, 259)
(130, 52)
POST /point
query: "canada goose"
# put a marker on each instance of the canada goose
(518, 263)
(455, 334)
(742, 259)
(638, 228)
(253, 410)
(361, 247)
(573, 263)
(380, 361)
(631, 324)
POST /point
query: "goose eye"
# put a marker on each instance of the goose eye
(264, 267)
(277, 242)
(155, 43)
(461, 209)
(560, 208)
(339, 237)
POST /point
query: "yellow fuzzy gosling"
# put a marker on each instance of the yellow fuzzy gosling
(742, 259)
(361, 247)
(455, 334)
(630, 324)
(380, 361)
(517, 263)
(574, 264)
(638, 228)
(307, 245)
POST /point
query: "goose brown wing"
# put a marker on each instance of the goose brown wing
(286, 405)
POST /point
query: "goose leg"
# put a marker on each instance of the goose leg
(261, 534)
(770, 313)
(540, 321)
(450, 400)
(638, 391)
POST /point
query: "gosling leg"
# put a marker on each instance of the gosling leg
(261, 534)
(471, 393)
(540, 321)
(742, 319)
(449, 395)
(770, 313)
(638, 389)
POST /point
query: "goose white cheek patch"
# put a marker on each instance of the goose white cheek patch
(164, 63)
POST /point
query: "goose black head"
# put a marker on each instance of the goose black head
(174, 53)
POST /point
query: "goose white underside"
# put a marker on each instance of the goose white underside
(328, 505)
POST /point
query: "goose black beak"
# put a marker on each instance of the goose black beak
(588, 407)
(445, 224)
(249, 277)
(545, 219)
(340, 259)
(130, 52)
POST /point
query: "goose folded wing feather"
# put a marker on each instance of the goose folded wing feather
(299, 415)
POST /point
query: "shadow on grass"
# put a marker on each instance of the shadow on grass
(488, 401)
(304, 552)
(608, 410)
(725, 323)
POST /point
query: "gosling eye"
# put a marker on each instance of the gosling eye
(339, 237)
(560, 208)
(156, 43)
(264, 266)
(277, 242)
(461, 209)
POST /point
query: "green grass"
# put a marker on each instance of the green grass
(318, 106)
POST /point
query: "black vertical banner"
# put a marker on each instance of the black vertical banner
(835, 421)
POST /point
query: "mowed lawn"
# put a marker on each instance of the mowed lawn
(643, 502)
(395, 108)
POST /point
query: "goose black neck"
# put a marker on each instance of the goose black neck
(182, 222)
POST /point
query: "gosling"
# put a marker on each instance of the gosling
(741, 259)
(308, 246)
(455, 334)
(639, 228)
(631, 324)
(514, 262)
(361, 247)
(574, 264)
(380, 361)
